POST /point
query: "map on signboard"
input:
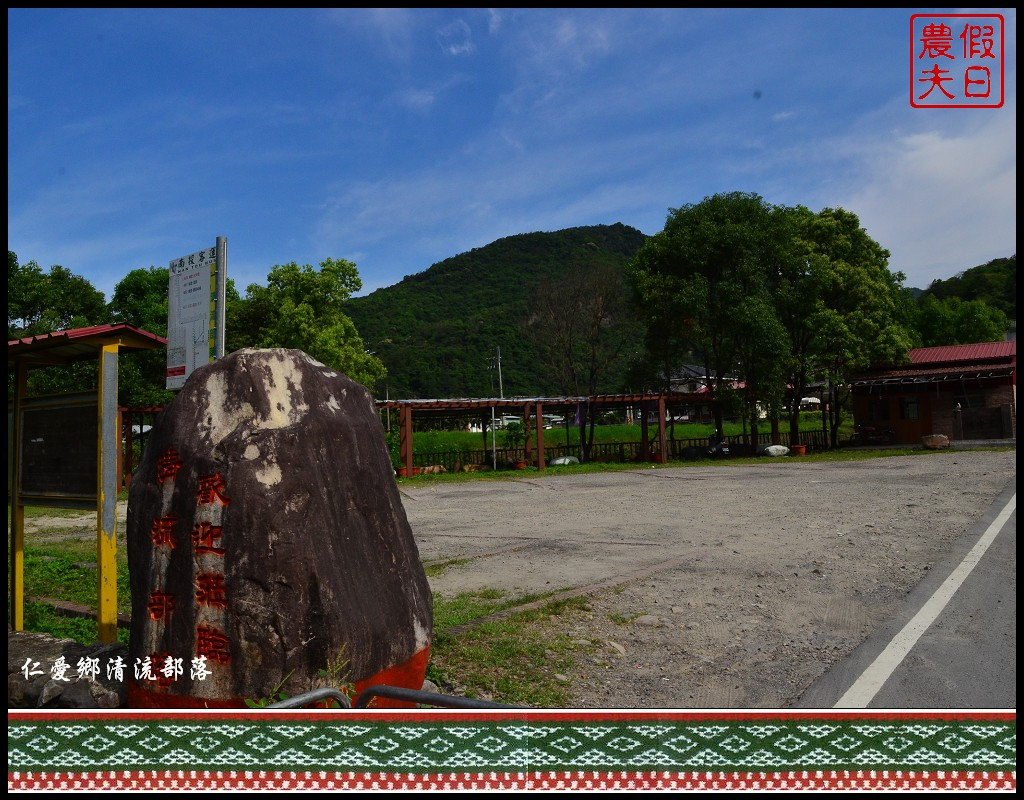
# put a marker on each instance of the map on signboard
(188, 314)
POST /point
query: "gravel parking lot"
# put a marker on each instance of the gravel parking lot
(713, 586)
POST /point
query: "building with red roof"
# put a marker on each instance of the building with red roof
(965, 391)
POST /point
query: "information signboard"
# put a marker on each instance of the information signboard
(194, 309)
(59, 448)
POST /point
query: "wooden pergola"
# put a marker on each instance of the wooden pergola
(533, 409)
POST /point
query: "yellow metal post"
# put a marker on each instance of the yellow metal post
(17, 509)
(106, 512)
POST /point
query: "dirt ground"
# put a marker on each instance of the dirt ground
(711, 586)
(725, 587)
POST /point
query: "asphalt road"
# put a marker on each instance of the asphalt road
(953, 643)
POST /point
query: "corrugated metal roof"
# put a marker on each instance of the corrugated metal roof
(965, 372)
(78, 344)
(964, 352)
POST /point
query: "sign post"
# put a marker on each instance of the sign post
(196, 311)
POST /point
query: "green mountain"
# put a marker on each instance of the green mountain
(438, 331)
(994, 283)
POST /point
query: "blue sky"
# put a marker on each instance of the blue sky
(397, 138)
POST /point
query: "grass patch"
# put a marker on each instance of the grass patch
(837, 455)
(513, 660)
(434, 441)
(52, 571)
(36, 512)
(437, 569)
(41, 618)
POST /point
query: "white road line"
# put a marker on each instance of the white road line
(871, 680)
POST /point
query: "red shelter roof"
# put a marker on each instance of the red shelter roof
(78, 344)
(984, 360)
(965, 353)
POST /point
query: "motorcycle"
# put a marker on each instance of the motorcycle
(870, 434)
(718, 447)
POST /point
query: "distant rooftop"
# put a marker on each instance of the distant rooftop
(972, 353)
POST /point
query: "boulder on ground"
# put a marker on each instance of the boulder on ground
(935, 441)
(267, 543)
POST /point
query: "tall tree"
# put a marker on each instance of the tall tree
(42, 302)
(861, 319)
(581, 326)
(951, 320)
(304, 308)
(782, 296)
(712, 259)
(140, 299)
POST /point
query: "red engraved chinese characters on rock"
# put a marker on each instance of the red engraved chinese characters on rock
(213, 644)
(160, 605)
(167, 466)
(203, 536)
(211, 490)
(210, 590)
(163, 531)
(163, 680)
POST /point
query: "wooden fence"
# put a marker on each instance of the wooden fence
(135, 419)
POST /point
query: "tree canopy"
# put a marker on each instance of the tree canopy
(301, 307)
(304, 308)
(41, 302)
(777, 297)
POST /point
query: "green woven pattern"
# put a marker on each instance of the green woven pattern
(454, 746)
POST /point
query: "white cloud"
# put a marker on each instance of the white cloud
(942, 201)
(417, 99)
(394, 28)
(495, 19)
(456, 39)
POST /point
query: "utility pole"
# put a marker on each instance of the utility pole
(501, 388)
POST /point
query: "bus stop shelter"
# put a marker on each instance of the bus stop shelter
(63, 449)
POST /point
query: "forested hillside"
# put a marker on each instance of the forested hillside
(994, 283)
(975, 305)
(438, 331)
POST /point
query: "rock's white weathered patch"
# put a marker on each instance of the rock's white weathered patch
(285, 392)
(251, 453)
(283, 387)
(422, 636)
(313, 361)
(332, 403)
(270, 475)
(221, 421)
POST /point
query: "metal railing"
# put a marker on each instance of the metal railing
(368, 694)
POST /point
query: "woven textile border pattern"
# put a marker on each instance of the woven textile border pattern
(510, 750)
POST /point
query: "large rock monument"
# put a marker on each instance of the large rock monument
(267, 542)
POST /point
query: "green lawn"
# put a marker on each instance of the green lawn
(437, 441)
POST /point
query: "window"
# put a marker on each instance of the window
(910, 408)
